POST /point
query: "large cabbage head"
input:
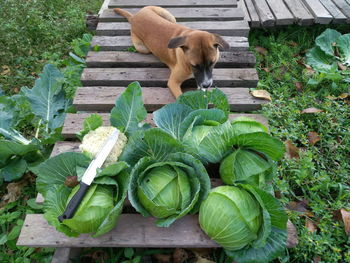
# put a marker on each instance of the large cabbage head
(170, 189)
(247, 222)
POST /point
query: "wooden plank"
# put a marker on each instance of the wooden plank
(112, 59)
(132, 230)
(74, 123)
(282, 14)
(158, 77)
(322, 16)
(154, 98)
(224, 28)
(242, 5)
(254, 17)
(339, 17)
(266, 16)
(300, 12)
(177, 3)
(343, 7)
(104, 6)
(184, 14)
(122, 43)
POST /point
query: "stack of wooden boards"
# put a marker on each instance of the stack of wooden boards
(109, 71)
(267, 13)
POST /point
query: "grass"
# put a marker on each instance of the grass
(319, 179)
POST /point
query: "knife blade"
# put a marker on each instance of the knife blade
(89, 176)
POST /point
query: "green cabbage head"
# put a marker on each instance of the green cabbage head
(169, 189)
(246, 221)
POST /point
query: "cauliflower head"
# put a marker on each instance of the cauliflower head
(93, 142)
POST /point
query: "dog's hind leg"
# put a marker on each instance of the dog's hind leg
(164, 13)
(139, 45)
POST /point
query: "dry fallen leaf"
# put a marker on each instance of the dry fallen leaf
(292, 239)
(343, 96)
(14, 191)
(341, 66)
(346, 220)
(291, 150)
(311, 110)
(310, 225)
(266, 70)
(5, 70)
(313, 137)
(293, 43)
(298, 86)
(301, 207)
(261, 94)
(180, 255)
(331, 97)
(261, 50)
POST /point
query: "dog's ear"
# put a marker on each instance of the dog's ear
(221, 42)
(176, 42)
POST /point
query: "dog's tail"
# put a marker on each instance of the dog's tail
(123, 13)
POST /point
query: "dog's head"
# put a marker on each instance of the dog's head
(201, 52)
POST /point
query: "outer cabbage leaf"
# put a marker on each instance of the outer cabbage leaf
(197, 177)
(275, 241)
(154, 142)
(320, 61)
(10, 148)
(343, 43)
(55, 170)
(90, 123)
(243, 125)
(129, 111)
(260, 142)
(326, 41)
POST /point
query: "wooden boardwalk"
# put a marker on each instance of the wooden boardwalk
(269, 13)
(109, 71)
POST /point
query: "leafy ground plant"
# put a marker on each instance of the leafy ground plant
(313, 120)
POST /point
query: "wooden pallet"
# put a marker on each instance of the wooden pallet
(268, 13)
(109, 71)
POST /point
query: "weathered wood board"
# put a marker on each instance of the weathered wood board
(114, 59)
(158, 77)
(301, 13)
(74, 122)
(254, 17)
(122, 43)
(344, 7)
(184, 14)
(322, 16)
(167, 3)
(266, 16)
(282, 14)
(224, 28)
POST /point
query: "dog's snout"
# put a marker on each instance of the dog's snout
(207, 84)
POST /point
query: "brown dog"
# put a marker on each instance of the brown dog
(187, 52)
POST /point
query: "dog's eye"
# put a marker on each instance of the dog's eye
(195, 66)
(216, 45)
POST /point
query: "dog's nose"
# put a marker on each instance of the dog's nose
(207, 84)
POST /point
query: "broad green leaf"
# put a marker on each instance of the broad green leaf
(260, 142)
(6, 130)
(219, 101)
(33, 204)
(326, 40)
(194, 99)
(55, 170)
(343, 43)
(10, 148)
(47, 97)
(90, 123)
(320, 61)
(154, 143)
(243, 124)
(13, 170)
(14, 233)
(170, 117)
(3, 238)
(129, 111)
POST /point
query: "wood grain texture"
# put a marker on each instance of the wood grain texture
(282, 14)
(114, 59)
(154, 98)
(344, 6)
(338, 16)
(132, 230)
(169, 3)
(74, 123)
(241, 4)
(300, 11)
(224, 28)
(122, 43)
(254, 17)
(184, 14)
(158, 77)
(266, 16)
(322, 16)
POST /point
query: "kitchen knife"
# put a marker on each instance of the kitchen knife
(89, 176)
